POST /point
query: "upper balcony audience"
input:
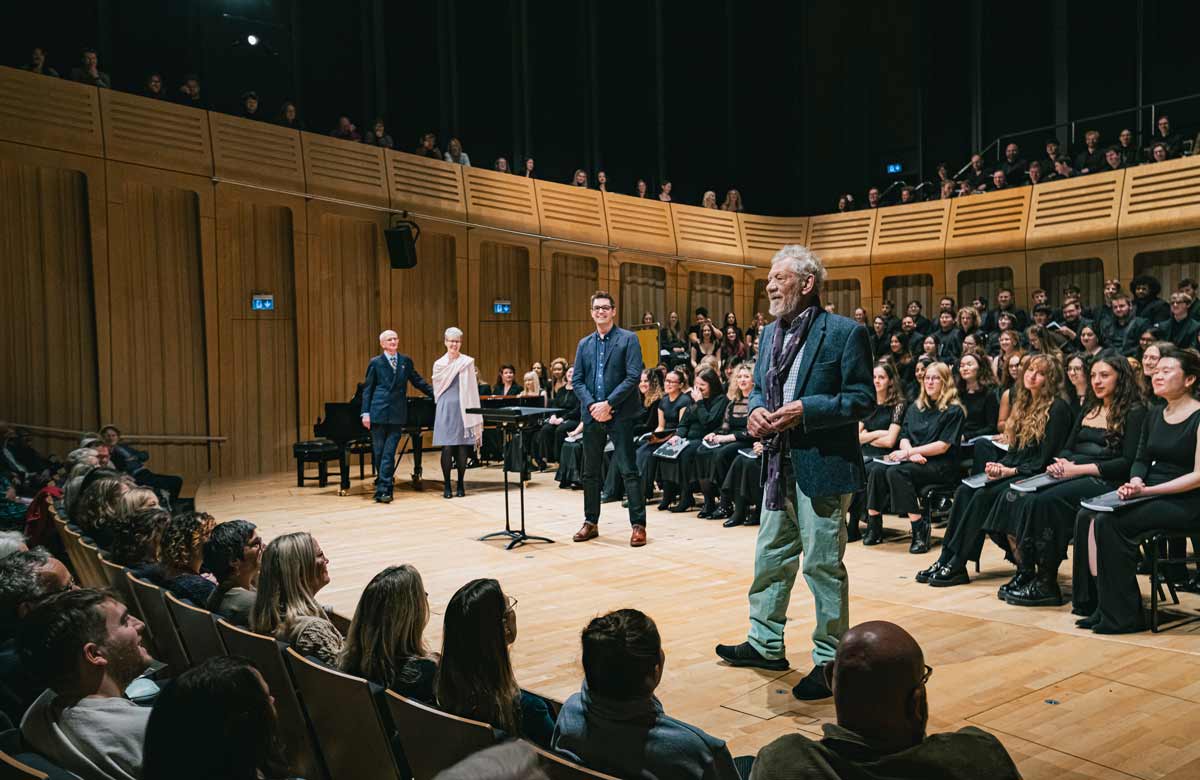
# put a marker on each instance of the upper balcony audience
(37, 63)
(249, 107)
(289, 117)
(378, 135)
(346, 130)
(732, 202)
(455, 153)
(428, 147)
(189, 92)
(1092, 157)
(153, 87)
(88, 71)
(1013, 165)
(1163, 135)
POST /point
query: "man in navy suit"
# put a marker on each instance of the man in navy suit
(385, 407)
(608, 367)
(812, 384)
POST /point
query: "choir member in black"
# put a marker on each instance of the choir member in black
(672, 408)
(672, 340)
(1036, 431)
(971, 343)
(707, 343)
(921, 322)
(1007, 323)
(650, 388)
(1005, 303)
(704, 417)
(887, 310)
(914, 391)
(743, 487)
(903, 360)
(968, 323)
(1090, 342)
(1180, 328)
(506, 381)
(977, 392)
(1096, 459)
(877, 435)
(1043, 341)
(1167, 467)
(731, 322)
(931, 348)
(721, 446)
(1147, 304)
(1078, 373)
(733, 348)
(558, 425)
(928, 453)
(879, 337)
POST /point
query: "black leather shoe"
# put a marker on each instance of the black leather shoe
(946, 577)
(705, 511)
(920, 538)
(813, 686)
(853, 531)
(924, 574)
(874, 534)
(733, 522)
(1088, 622)
(1019, 580)
(460, 492)
(745, 655)
(685, 504)
(446, 491)
(1041, 591)
(720, 513)
(386, 499)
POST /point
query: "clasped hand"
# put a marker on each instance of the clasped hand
(1134, 487)
(996, 470)
(764, 423)
(600, 411)
(1061, 468)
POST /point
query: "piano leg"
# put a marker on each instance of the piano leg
(416, 452)
(343, 471)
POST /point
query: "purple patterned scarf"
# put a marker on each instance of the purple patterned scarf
(780, 366)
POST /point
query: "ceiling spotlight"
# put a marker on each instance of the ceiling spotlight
(252, 40)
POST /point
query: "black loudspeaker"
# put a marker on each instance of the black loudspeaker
(402, 244)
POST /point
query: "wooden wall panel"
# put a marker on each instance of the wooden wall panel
(1161, 198)
(844, 294)
(644, 286)
(569, 212)
(707, 234)
(162, 378)
(1075, 211)
(1045, 266)
(988, 223)
(915, 231)
(572, 278)
(901, 283)
(640, 223)
(758, 298)
(259, 235)
(711, 288)
(256, 152)
(425, 185)
(344, 169)
(156, 133)
(762, 237)
(424, 301)
(974, 282)
(1011, 267)
(50, 113)
(338, 305)
(504, 274)
(1141, 251)
(843, 239)
(49, 348)
(501, 200)
(856, 287)
(1085, 273)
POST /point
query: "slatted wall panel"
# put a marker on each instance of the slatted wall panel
(639, 223)
(987, 223)
(504, 274)
(1161, 198)
(256, 152)
(1169, 266)
(842, 239)
(845, 294)
(713, 291)
(975, 282)
(425, 185)
(156, 133)
(571, 212)
(501, 199)
(49, 112)
(344, 169)
(1087, 274)
(762, 237)
(707, 233)
(573, 279)
(915, 231)
(643, 288)
(909, 287)
(1074, 211)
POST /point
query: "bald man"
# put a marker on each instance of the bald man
(385, 407)
(878, 679)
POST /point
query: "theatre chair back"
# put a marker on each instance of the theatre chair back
(299, 742)
(350, 729)
(434, 740)
(89, 555)
(559, 768)
(167, 644)
(196, 628)
(12, 769)
(115, 573)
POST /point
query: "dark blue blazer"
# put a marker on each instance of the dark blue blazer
(385, 392)
(622, 372)
(835, 386)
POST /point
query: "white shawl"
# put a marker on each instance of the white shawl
(444, 373)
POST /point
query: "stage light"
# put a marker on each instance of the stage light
(252, 40)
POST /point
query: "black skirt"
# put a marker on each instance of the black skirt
(744, 479)
(680, 471)
(570, 464)
(1044, 522)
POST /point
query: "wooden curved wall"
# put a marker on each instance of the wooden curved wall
(136, 232)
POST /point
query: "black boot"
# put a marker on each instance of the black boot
(710, 500)
(446, 489)
(686, 504)
(853, 532)
(1042, 591)
(460, 492)
(739, 513)
(920, 537)
(755, 516)
(874, 534)
(1021, 579)
(723, 510)
(668, 496)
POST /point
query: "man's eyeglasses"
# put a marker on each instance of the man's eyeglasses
(602, 308)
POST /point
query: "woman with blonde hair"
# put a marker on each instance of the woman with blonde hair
(928, 453)
(1036, 431)
(709, 201)
(99, 504)
(294, 569)
(385, 643)
(733, 201)
(137, 499)
(455, 391)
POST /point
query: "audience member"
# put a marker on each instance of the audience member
(88, 71)
(1005, 303)
(153, 88)
(906, 195)
(976, 175)
(26, 578)
(881, 701)
(1180, 329)
(709, 201)
(189, 94)
(1013, 165)
(640, 189)
(475, 677)
(602, 181)
(664, 192)
(947, 190)
(99, 504)
(732, 202)
(1062, 170)
(428, 148)
(294, 569)
(455, 154)
(249, 106)
(1158, 153)
(873, 201)
(12, 542)
(580, 179)
(1033, 175)
(346, 130)
(1173, 142)
(37, 63)
(1091, 159)
(1051, 156)
(999, 182)
(385, 642)
(87, 649)
(216, 720)
(501, 165)
(1147, 304)
(233, 554)
(136, 538)
(616, 725)
(1112, 160)
(1127, 149)
(528, 168)
(181, 552)
(289, 117)
(133, 463)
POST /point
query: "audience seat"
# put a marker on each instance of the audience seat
(196, 629)
(70, 543)
(17, 762)
(90, 554)
(119, 584)
(1156, 546)
(434, 740)
(559, 768)
(347, 719)
(167, 644)
(295, 731)
(12, 769)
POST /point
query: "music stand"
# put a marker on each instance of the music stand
(512, 421)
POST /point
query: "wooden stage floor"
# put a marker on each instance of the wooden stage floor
(1067, 703)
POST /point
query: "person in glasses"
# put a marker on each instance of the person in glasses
(608, 367)
(879, 678)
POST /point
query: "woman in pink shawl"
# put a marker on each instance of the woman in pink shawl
(455, 391)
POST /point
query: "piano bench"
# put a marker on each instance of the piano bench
(319, 451)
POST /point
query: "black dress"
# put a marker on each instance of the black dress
(894, 488)
(614, 486)
(1166, 451)
(973, 506)
(702, 419)
(713, 462)
(884, 417)
(646, 463)
(1044, 521)
(550, 437)
(983, 409)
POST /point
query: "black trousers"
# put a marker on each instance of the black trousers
(894, 488)
(964, 535)
(620, 432)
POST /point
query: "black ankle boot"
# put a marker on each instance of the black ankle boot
(755, 516)
(1042, 591)
(723, 510)
(686, 504)
(739, 513)
(874, 534)
(920, 538)
(667, 498)
(710, 506)
(1021, 579)
(853, 533)
(446, 489)
(460, 492)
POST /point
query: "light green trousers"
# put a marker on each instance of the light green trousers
(815, 529)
